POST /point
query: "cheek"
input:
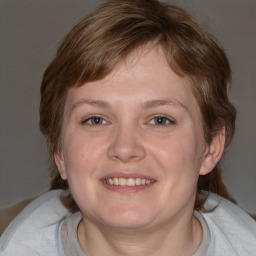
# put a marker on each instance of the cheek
(82, 157)
(81, 153)
(177, 162)
(179, 157)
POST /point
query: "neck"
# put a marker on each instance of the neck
(176, 238)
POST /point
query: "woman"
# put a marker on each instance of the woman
(135, 110)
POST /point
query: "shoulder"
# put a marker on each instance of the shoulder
(35, 230)
(233, 231)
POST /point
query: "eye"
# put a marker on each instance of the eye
(94, 120)
(161, 120)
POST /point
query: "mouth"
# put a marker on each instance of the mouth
(129, 182)
(126, 182)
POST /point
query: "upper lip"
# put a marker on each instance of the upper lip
(126, 175)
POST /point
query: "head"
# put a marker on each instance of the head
(105, 38)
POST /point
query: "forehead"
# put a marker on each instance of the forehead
(143, 75)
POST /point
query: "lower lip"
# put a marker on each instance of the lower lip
(127, 189)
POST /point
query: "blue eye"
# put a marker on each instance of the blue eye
(94, 120)
(161, 120)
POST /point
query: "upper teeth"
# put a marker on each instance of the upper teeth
(127, 182)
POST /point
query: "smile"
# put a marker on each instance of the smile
(130, 182)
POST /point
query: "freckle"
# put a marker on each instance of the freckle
(82, 155)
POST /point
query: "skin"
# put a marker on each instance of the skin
(130, 140)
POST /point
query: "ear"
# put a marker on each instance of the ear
(59, 160)
(213, 152)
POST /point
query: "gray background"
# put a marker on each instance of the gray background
(30, 31)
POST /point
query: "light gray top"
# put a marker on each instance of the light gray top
(69, 237)
(37, 229)
(206, 238)
(72, 247)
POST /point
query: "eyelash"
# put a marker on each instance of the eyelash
(86, 121)
(163, 118)
(166, 121)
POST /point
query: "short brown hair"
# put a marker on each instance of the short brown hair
(94, 47)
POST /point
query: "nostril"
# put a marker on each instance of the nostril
(126, 144)
(126, 153)
(124, 157)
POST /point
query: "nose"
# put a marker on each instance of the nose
(126, 145)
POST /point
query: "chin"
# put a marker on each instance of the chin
(128, 219)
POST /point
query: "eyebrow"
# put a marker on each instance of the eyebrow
(96, 103)
(158, 103)
(145, 105)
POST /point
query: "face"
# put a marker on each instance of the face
(133, 144)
